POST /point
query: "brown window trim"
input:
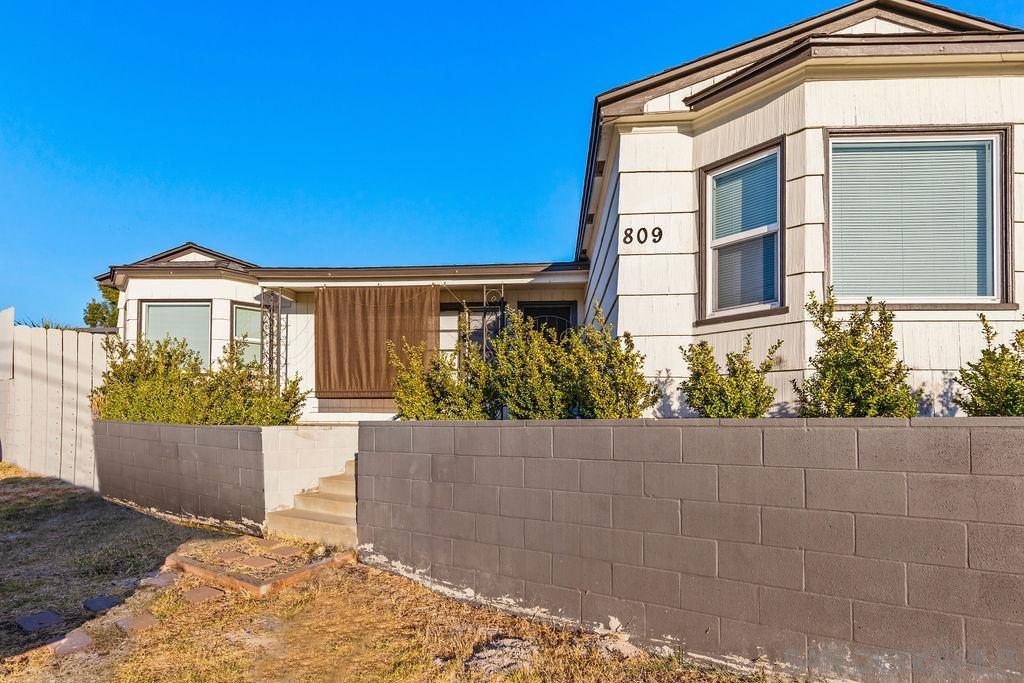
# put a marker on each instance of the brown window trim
(749, 315)
(1007, 294)
(703, 296)
(141, 305)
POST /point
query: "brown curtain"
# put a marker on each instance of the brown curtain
(352, 326)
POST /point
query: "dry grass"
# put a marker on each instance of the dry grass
(61, 545)
(345, 624)
(349, 624)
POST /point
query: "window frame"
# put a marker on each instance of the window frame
(1000, 136)
(235, 305)
(142, 312)
(709, 261)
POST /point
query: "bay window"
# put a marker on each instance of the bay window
(188, 321)
(245, 326)
(915, 219)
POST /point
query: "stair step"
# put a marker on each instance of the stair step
(343, 504)
(338, 483)
(332, 530)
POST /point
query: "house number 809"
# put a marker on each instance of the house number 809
(641, 235)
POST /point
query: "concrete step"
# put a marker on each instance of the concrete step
(339, 483)
(333, 530)
(343, 504)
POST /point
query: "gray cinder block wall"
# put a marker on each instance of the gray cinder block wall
(227, 473)
(853, 548)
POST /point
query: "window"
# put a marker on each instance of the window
(560, 316)
(246, 324)
(913, 219)
(744, 245)
(187, 321)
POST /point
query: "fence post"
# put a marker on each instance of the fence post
(6, 376)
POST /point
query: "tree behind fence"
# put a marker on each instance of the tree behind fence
(46, 377)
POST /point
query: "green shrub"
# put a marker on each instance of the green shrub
(165, 381)
(995, 382)
(436, 386)
(608, 379)
(530, 371)
(856, 369)
(742, 391)
(530, 374)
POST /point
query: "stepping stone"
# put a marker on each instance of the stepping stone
(37, 621)
(202, 594)
(137, 623)
(284, 552)
(266, 543)
(230, 555)
(258, 562)
(161, 580)
(101, 603)
(75, 641)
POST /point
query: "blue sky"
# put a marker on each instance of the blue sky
(326, 134)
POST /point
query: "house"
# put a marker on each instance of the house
(875, 148)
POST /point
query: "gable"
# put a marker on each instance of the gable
(860, 17)
(195, 254)
(189, 256)
(879, 26)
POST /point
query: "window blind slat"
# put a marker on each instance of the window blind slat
(190, 322)
(912, 219)
(745, 198)
(746, 272)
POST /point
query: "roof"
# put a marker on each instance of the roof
(223, 265)
(745, 59)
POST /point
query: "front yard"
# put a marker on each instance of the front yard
(61, 546)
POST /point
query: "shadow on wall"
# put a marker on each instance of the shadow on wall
(937, 397)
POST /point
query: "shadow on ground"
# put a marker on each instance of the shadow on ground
(61, 545)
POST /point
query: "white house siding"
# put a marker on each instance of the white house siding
(220, 291)
(602, 283)
(656, 284)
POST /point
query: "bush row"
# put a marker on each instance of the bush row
(531, 373)
(165, 381)
(526, 373)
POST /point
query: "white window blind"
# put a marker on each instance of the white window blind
(913, 219)
(247, 325)
(187, 321)
(745, 234)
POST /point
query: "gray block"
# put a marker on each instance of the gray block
(655, 444)
(526, 442)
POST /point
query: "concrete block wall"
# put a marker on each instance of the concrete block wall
(835, 548)
(227, 473)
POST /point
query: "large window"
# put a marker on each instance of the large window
(744, 234)
(246, 328)
(185, 320)
(913, 219)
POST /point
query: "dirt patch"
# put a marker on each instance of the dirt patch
(502, 656)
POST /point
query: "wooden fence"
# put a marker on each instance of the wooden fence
(46, 378)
